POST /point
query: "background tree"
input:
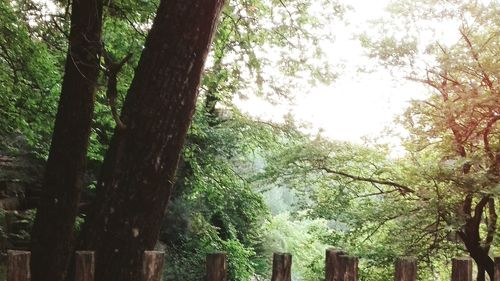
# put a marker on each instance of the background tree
(63, 179)
(445, 188)
(460, 118)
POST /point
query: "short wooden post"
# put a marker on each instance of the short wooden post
(497, 269)
(348, 268)
(332, 264)
(406, 269)
(84, 266)
(152, 267)
(18, 266)
(217, 267)
(461, 269)
(282, 265)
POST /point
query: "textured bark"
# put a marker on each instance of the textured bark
(52, 235)
(138, 171)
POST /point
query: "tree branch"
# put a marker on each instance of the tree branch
(486, 133)
(402, 188)
(475, 56)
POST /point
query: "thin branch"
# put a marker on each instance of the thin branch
(475, 55)
(402, 188)
(486, 133)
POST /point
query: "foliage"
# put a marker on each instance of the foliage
(224, 148)
(376, 208)
(428, 203)
(458, 124)
(30, 78)
(284, 233)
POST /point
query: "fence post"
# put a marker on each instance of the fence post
(348, 268)
(406, 269)
(332, 264)
(152, 266)
(461, 269)
(18, 266)
(497, 269)
(282, 264)
(217, 267)
(84, 266)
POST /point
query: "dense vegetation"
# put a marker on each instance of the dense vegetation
(250, 186)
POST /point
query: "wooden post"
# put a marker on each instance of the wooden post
(348, 268)
(84, 266)
(497, 269)
(217, 267)
(152, 267)
(406, 269)
(461, 269)
(282, 264)
(332, 264)
(18, 266)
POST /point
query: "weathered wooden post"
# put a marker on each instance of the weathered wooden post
(84, 266)
(332, 264)
(348, 268)
(406, 269)
(18, 266)
(282, 265)
(217, 267)
(497, 269)
(152, 267)
(461, 269)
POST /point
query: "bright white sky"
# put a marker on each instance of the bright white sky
(356, 104)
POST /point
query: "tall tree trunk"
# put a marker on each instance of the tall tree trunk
(52, 235)
(138, 171)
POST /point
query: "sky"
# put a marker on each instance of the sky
(356, 105)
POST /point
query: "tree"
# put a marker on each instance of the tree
(464, 114)
(91, 61)
(460, 119)
(138, 171)
(63, 179)
(445, 189)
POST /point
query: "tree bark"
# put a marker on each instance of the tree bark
(52, 234)
(471, 238)
(138, 171)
